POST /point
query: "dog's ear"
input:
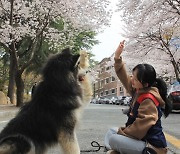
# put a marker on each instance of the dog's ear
(66, 51)
(76, 60)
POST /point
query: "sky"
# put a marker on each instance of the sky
(109, 39)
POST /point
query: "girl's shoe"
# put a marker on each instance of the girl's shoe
(148, 150)
(112, 152)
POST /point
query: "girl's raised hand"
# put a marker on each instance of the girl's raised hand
(119, 50)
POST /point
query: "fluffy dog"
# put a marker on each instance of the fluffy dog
(52, 114)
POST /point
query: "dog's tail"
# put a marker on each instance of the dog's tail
(15, 144)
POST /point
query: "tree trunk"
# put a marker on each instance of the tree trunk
(175, 65)
(20, 88)
(11, 86)
(175, 69)
(13, 62)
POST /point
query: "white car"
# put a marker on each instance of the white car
(174, 95)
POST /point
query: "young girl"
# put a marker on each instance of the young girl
(143, 131)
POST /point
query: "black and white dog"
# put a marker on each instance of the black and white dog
(52, 114)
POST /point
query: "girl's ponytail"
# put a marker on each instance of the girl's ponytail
(162, 87)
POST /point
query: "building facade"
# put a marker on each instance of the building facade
(107, 84)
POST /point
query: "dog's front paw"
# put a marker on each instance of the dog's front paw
(84, 60)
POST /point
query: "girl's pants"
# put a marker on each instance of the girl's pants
(123, 144)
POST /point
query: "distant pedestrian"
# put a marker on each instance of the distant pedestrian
(142, 133)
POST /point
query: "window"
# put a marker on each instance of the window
(101, 83)
(113, 91)
(106, 92)
(102, 70)
(107, 80)
(107, 68)
(121, 89)
(113, 78)
(101, 93)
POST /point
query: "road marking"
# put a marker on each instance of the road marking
(174, 141)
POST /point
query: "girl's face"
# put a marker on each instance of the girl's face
(135, 82)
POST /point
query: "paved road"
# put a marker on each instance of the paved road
(97, 119)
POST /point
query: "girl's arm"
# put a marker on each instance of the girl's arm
(120, 69)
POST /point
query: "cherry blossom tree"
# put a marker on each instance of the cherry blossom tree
(152, 30)
(25, 24)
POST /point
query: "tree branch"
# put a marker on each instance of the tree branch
(171, 3)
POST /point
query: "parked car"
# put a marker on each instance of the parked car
(110, 101)
(174, 95)
(100, 100)
(114, 99)
(123, 100)
(94, 101)
(127, 100)
(120, 100)
(103, 100)
(107, 101)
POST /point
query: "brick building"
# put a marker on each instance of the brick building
(107, 84)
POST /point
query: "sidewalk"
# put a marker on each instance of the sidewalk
(92, 127)
(8, 111)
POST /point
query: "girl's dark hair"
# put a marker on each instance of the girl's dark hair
(146, 74)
